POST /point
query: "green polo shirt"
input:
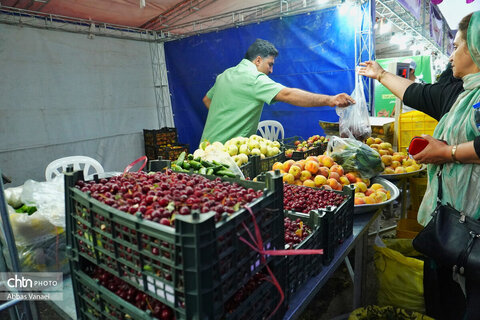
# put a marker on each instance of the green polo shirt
(238, 96)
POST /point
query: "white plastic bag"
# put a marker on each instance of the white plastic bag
(48, 197)
(354, 120)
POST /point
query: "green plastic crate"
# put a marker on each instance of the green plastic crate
(200, 264)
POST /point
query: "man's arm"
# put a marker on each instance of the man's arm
(206, 100)
(303, 98)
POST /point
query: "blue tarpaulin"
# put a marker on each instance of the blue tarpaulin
(316, 53)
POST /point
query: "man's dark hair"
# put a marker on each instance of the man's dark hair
(261, 48)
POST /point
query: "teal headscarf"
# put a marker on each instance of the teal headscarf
(461, 182)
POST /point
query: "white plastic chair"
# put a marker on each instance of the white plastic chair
(271, 130)
(57, 167)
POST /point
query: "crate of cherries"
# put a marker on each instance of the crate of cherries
(146, 230)
(301, 233)
(332, 211)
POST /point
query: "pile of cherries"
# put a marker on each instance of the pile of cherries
(134, 296)
(305, 199)
(295, 231)
(161, 195)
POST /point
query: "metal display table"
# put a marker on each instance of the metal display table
(357, 241)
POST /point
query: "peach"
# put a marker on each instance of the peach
(319, 180)
(376, 186)
(288, 178)
(309, 183)
(287, 164)
(370, 141)
(344, 180)
(378, 140)
(369, 200)
(332, 182)
(389, 170)
(399, 170)
(304, 175)
(298, 183)
(295, 171)
(360, 186)
(324, 171)
(395, 164)
(359, 195)
(387, 159)
(312, 158)
(338, 169)
(327, 187)
(369, 191)
(383, 152)
(311, 166)
(359, 201)
(327, 161)
(351, 177)
(277, 166)
(301, 164)
(334, 175)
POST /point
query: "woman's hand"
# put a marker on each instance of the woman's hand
(370, 69)
(436, 152)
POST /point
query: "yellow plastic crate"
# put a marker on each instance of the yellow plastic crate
(418, 186)
(411, 124)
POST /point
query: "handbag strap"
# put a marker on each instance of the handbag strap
(440, 188)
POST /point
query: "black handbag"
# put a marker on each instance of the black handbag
(451, 238)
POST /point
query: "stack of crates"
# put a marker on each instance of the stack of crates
(163, 143)
(411, 124)
(199, 266)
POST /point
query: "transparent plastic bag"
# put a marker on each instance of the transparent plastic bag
(356, 156)
(224, 158)
(354, 120)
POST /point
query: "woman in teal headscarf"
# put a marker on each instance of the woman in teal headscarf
(460, 159)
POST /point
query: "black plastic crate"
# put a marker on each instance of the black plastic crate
(165, 152)
(162, 137)
(336, 224)
(198, 265)
(248, 169)
(301, 268)
(266, 164)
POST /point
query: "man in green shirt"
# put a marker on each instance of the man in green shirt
(236, 100)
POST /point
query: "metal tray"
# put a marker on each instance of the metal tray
(397, 176)
(389, 186)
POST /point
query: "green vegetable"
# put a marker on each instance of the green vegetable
(206, 163)
(181, 158)
(186, 165)
(190, 157)
(202, 170)
(178, 168)
(363, 159)
(195, 164)
(220, 164)
(26, 209)
(209, 171)
(226, 173)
